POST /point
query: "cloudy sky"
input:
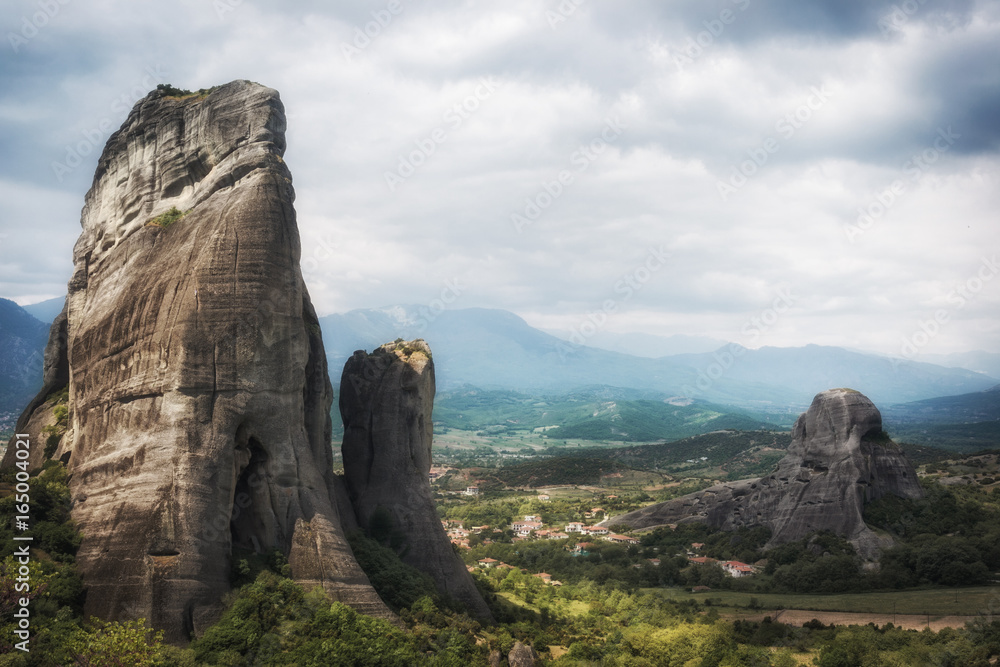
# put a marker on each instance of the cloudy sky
(769, 173)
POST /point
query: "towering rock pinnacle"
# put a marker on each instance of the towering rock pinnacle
(198, 390)
(839, 460)
(386, 400)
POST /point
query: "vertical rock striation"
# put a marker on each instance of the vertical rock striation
(198, 389)
(386, 400)
(839, 460)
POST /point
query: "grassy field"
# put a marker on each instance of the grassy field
(559, 606)
(936, 602)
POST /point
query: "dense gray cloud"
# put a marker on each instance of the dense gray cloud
(842, 152)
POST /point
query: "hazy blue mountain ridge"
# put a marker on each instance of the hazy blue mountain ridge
(495, 349)
(22, 344)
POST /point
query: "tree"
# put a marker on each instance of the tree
(129, 644)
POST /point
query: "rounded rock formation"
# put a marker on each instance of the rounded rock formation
(839, 460)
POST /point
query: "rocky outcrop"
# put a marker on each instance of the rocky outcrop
(522, 655)
(199, 398)
(386, 400)
(839, 460)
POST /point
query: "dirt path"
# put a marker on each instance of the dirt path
(908, 621)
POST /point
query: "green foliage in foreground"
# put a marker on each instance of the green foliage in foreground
(399, 585)
(601, 615)
(59, 635)
(273, 621)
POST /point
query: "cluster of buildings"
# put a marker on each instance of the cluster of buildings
(459, 535)
(733, 568)
(531, 527)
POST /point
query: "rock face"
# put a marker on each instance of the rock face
(522, 655)
(839, 460)
(198, 391)
(386, 399)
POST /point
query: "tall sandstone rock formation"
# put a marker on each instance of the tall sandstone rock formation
(198, 390)
(839, 460)
(386, 399)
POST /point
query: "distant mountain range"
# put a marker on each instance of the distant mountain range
(987, 363)
(966, 423)
(495, 349)
(46, 311)
(645, 345)
(22, 344)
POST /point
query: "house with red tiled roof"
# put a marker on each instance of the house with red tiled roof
(524, 528)
(550, 535)
(735, 568)
(702, 560)
(621, 539)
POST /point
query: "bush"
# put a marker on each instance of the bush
(166, 219)
(398, 584)
(129, 644)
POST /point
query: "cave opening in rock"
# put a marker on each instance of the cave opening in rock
(250, 526)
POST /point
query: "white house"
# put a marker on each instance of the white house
(735, 568)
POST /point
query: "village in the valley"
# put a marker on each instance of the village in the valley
(580, 537)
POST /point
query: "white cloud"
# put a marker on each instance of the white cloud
(351, 120)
